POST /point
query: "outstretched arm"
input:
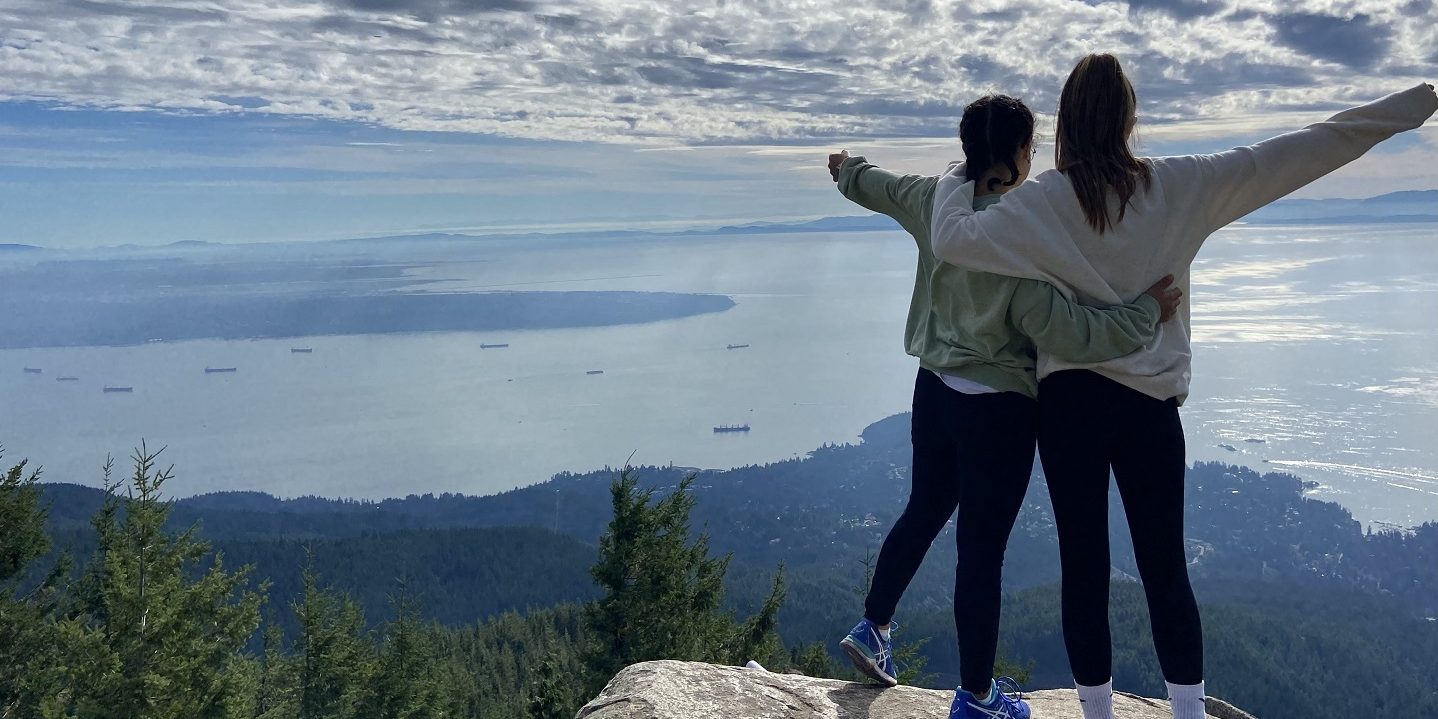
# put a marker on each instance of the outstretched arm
(877, 189)
(1209, 190)
(1079, 333)
(1234, 183)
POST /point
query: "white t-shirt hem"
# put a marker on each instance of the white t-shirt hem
(965, 386)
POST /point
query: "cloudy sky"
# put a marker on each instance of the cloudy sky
(237, 120)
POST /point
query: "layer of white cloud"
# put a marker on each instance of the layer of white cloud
(697, 71)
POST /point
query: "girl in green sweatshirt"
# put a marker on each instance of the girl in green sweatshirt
(977, 338)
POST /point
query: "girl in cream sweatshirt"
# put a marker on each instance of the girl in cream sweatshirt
(1100, 227)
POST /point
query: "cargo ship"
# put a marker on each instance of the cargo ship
(218, 370)
(498, 346)
(33, 370)
(732, 428)
(301, 350)
(67, 379)
(595, 371)
(119, 389)
(737, 347)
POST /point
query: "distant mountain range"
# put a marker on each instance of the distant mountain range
(1394, 207)
(1405, 206)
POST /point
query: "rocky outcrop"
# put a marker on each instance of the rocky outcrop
(688, 690)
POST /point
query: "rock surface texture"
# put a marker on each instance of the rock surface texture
(688, 690)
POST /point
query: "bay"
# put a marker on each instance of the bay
(1315, 353)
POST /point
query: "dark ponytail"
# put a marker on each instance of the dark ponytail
(992, 131)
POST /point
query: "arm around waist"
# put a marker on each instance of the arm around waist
(1080, 333)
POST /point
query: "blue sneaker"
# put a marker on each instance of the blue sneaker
(871, 653)
(1001, 704)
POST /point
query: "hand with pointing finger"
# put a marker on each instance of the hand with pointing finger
(835, 160)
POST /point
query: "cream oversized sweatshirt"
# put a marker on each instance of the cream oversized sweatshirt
(1039, 230)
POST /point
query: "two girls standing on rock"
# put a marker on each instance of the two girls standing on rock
(977, 337)
(1100, 227)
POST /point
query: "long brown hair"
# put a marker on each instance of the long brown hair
(1096, 113)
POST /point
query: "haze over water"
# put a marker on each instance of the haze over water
(1314, 355)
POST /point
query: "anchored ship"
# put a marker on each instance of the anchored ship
(33, 370)
(67, 379)
(217, 370)
(499, 346)
(737, 347)
(119, 389)
(301, 350)
(595, 371)
(732, 428)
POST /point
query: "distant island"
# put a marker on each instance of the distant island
(73, 321)
(860, 223)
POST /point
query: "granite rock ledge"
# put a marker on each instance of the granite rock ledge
(690, 690)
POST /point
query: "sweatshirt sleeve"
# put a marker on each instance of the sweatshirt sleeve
(1023, 220)
(884, 192)
(1229, 185)
(1202, 192)
(1080, 333)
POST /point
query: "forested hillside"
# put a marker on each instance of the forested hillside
(1279, 575)
(820, 516)
(152, 624)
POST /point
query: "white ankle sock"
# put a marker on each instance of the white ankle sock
(993, 695)
(1096, 702)
(1186, 700)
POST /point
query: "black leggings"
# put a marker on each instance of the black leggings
(1087, 425)
(974, 452)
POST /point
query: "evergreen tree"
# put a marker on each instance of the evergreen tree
(663, 593)
(758, 637)
(28, 643)
(495, 669)
(275, 678)
(23, 519)
(405, 684)
(814, 660)
(550, 695)
(153, 633)
(334, 654)
(910, 660)
(1021, 673)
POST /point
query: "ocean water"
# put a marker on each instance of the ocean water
(1316, 353)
